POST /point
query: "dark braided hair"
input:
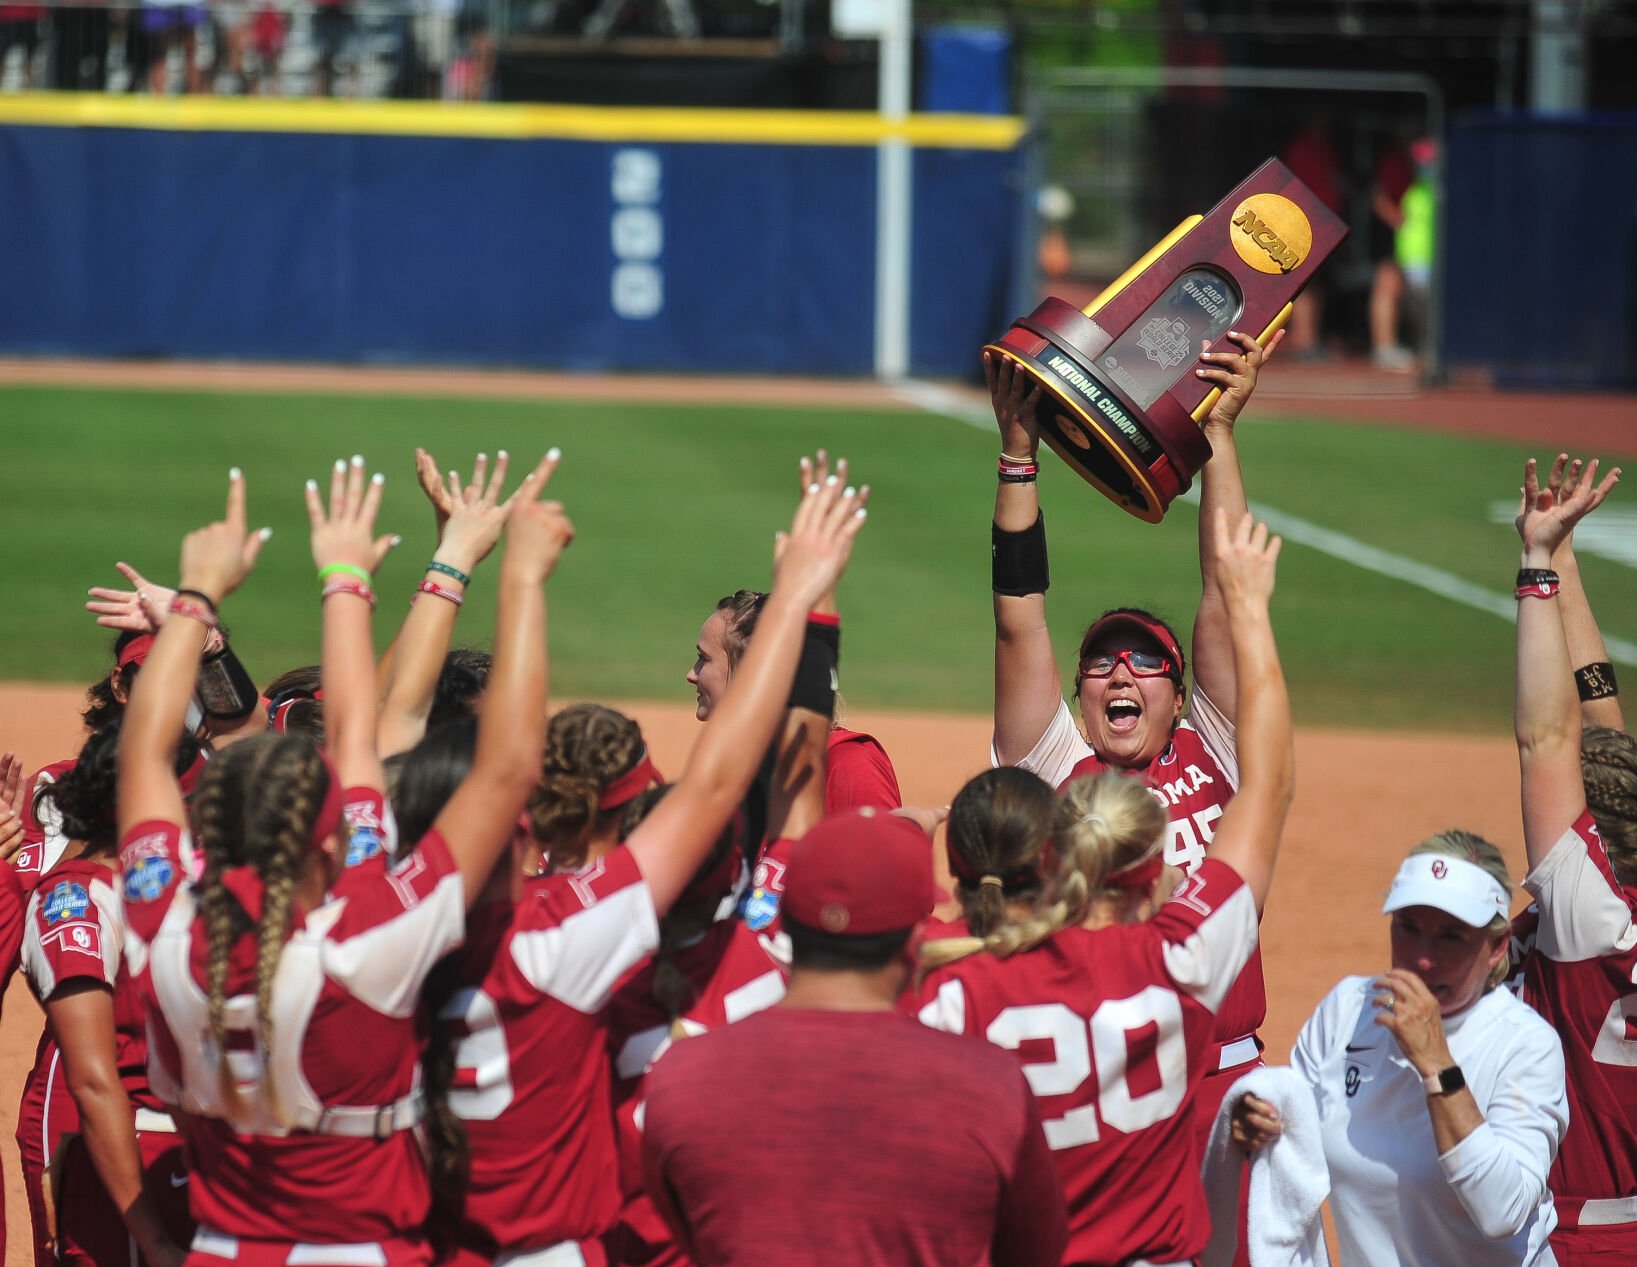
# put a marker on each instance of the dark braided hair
(461, 683)
(1608, 766)
(588, 746)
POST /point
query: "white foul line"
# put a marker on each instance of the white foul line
(1337, 545)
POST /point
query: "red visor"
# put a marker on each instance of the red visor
(638, 779)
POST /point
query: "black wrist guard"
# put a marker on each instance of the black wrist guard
(816, 678)
(1018, 560)
(226, 692)
(1596, 681)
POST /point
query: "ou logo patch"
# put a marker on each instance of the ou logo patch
(1439, 869)
(82, 938)
(1352, 1081)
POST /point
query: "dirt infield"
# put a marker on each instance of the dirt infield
(1362, 799)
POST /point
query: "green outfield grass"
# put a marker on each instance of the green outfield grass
(676, 505)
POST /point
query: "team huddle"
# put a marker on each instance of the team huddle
(383, 963)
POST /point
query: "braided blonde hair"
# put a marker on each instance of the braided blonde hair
(588, 746)
(1103, 824)
(256, 807)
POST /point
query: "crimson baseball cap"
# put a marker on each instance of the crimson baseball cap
(1144, 623)
(860, 873)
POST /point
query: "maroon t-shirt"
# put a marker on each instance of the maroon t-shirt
(854, 1137)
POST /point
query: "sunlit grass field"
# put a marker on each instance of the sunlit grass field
(676, 505)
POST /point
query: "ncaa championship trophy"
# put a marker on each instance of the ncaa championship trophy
(1117, 401)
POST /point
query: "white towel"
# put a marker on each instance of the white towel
(1289, 1179)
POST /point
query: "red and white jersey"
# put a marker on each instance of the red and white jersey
(532, 1081)
(734, 974)
(1193, 780)
(1113, 1027)
(346, 1045)
(43, 839)
(1581, 976)
(759, 909)
(75, 930)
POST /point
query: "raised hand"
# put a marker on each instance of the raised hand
(1546, 516)
(1015, 397)
(537, 532)
(1246, 560)
(471, 516)
(1235, 373)
(11, 806)
(141, 609)
(217, 558)
(343, 533)
(816, 549)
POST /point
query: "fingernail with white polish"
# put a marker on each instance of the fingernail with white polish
(554, 453)
(377, 479)
(849, 491)
(312, 486)
(265, 534)
(235, 473)
(482, 457)
(340, 466)
(861, 513)
(397, 540)
(358, 459)
(503, 455)
(812, 488)
(831, 480)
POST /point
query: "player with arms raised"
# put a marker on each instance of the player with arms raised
(1582, 972)
(1109, 993)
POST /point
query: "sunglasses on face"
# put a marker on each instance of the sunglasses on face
(1141, 664)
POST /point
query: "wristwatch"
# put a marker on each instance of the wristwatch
(1445, 1081)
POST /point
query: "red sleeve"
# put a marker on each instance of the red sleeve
(859, 773)
(13, 905)
(151, 869)
(1031, 1228)
(68, 935)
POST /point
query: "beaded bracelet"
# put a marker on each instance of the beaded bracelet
(349, 569)
(432, 587)
(454, 572)
(185, 605)
(349, 587)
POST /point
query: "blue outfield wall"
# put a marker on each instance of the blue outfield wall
(721, 254)
(1541, 258)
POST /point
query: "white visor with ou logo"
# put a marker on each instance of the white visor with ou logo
(1452, 885)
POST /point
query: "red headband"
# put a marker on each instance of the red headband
(135, 651)
(1139, 876)
(629, 785)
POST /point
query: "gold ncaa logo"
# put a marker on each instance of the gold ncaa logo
(1271, 233)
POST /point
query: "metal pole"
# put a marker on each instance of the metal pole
(894, 199)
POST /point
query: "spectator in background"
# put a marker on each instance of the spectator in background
(169, 30)
(79, 48)
(333, 24)
(470, 73)
(19, 37)
(1394, 174)
(1311, 157)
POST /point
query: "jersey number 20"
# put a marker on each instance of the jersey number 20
(1101, 1046)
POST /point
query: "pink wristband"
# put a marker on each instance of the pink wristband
(350, 587)
(432, 587)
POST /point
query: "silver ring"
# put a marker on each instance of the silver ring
(1391, 1001)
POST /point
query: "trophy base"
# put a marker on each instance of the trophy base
(1133, 459)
